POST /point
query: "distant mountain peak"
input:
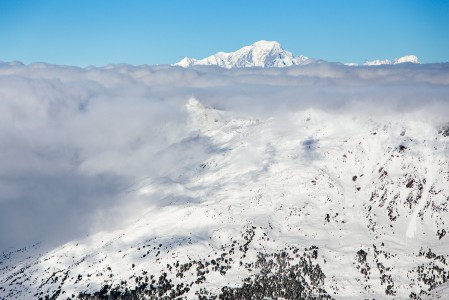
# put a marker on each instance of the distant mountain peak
(263, 44)
(400, 60)
(187, 61)
(262, 54)
(407, 58)
(266, 54)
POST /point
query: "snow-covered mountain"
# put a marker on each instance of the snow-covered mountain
(404, 59)
(318, 182)
(307, 205)
(263, 54)
(266, 54)
(407, 59)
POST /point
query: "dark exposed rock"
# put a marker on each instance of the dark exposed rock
(444, 130)
(276, 275)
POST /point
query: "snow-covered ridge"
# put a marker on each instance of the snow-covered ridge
(262, 54)
(230, 185)
(404, 59)
(266, 54)
(349, 206)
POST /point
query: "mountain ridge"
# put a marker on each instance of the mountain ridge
(260, 54)
(314, 182)
(404, 59)
(309, 202)
(268, 54)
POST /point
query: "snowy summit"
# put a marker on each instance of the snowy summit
(262, 54)
(266, 54)
(404, 59)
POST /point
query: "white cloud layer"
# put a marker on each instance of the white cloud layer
(74, 141)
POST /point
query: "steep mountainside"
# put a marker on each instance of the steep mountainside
(310, 204)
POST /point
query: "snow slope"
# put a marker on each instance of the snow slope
(351, 207)
(316, 181)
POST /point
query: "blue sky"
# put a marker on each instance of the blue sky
(98, 32)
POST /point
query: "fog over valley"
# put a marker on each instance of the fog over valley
(224, 180)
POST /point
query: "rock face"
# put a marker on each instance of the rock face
(262, 54)
(331, 206)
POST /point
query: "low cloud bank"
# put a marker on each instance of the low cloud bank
(73, 141)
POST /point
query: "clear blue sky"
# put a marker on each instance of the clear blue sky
(98, 32)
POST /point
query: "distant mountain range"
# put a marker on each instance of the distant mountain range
(260, 54)
(404, 59)
(266, 54)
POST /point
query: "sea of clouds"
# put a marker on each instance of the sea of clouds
(74, 141)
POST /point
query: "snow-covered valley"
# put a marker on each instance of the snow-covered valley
(313, 182)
